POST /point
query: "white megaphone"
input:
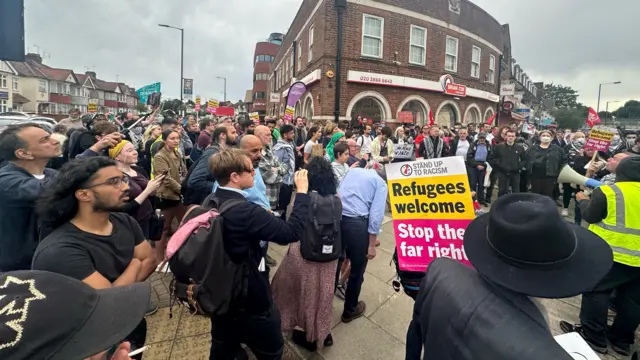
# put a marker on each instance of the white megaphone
(568, 175)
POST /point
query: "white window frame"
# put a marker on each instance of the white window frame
(492, 68)
(3, 81)
(4, 105)
(477, 76)
(455, 63)
(422, 46)
(364, 17)
(310, 52)
(292, 59)
(14, 84)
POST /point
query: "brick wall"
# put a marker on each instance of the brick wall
(395, 48)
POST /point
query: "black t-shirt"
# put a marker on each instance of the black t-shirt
(75, 253)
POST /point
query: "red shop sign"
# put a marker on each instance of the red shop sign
(456, 89)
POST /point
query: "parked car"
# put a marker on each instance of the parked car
(45, 122)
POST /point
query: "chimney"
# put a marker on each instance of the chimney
(91, 74)
(34, 57)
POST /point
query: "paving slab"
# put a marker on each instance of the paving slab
(362, 339)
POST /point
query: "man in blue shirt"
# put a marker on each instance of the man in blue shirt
(258, 193)
(364, 195)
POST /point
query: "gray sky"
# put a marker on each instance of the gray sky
(554, 41)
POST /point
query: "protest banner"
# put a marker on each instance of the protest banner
(294, 94)
(255, 117)
(599, 138)
(198, 106)
(212, 105)
(403, 151)
(92, 106)
(431, 207)
(145, 91)
(225, 111)
(593, 118)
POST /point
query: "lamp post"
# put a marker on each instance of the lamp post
(181, 54)
(225, 86)
(600, 91)
(607, 107)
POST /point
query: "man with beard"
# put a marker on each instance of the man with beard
(73, 121)
(93, 241)
(199, 181)
(27, 148)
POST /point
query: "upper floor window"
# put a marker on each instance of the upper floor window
(475, 62)
(3, 81)
(310, 57)
(299, 65)
(262, 76)
(372, 36)
(291, 61)
(492, 68)
(418, 47)
(451, 57)
(15, 83)
(42, 85)
(264, 58)
(259, 95)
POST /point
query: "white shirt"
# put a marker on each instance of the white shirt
(463, 148)
(365, 144)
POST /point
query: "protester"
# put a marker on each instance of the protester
(544, 163)
(40, 299)
(335, 138)
(253, 320)
(27, 148)
(150, 135)
(199, 180)
(169, 162)
(302, 289)
(100, 245)
(95, 142)
(382, 147)
(364, 194)
(507, 160)
(574, 148)
(312, 139)
(74, 121)
(139, 205)
(432, 146)
(207, 127)
(285, 151)
(355, 154)
(610, 212)
(460, 144)
(271, 168)
(520, 251)
(477, 156)
(339, 165)
(364, 141)
(300, 141)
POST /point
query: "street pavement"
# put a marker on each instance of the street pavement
(379, 335)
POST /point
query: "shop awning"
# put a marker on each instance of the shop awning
(17, 98)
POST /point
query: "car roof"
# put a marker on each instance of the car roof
(28, 118)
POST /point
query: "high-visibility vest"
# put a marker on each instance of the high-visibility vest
(621, 227)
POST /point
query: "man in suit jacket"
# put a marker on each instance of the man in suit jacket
(254, 320)
(521, 250)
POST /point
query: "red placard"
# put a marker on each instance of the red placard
(225, 111)
(456, 89)
(405, 117)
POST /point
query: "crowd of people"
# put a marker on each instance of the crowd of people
(97, 201)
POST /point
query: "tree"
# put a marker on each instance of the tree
(564, 96)
(569, 118)
(141, 107)
(630, 109)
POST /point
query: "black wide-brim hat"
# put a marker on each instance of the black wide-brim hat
(524, 245)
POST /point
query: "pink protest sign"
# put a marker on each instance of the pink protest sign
(600, 138)
(419, 242)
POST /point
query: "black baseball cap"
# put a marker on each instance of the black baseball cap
(50, 316)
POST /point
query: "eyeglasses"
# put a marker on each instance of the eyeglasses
(116, 182)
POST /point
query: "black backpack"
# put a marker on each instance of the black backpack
(321, 241)
(205, 278)
(408, 280)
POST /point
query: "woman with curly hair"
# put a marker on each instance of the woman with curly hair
(302, 289)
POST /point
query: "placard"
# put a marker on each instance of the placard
(255, 117)
(431, 207)
(212, 105)
(600, 138)
(92, 106)
(403, 151)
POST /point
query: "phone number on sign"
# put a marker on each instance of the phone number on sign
(376, 80)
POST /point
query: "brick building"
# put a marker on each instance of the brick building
(398, 57)
(263, 56)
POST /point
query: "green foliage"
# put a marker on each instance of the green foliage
(630, 109)
(141, 107)
(565, 96)
(570, 118)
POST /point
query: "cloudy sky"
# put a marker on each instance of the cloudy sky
(572, 42)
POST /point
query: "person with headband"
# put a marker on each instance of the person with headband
(140, 188)
(544, 162)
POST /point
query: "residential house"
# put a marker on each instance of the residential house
(9, 85)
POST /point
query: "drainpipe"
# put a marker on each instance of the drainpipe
(341, 6)
(499, 106)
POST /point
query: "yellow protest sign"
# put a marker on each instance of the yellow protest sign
(92, 106)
